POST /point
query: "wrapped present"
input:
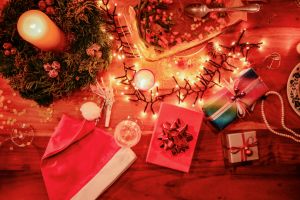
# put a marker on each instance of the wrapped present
(81, 161)
(233, 100)
(240, 147)
(174, 137)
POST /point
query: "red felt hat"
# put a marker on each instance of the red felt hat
(81, 161)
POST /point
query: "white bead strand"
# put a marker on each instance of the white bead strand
(296, 136)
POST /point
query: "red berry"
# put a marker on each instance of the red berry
(49, 2)
(42, 5)
(98, 54)
(7, 52)
(13, 51)
(55, 65)
(47, 67)
(7, 45)
(50, 10)
(53, 73)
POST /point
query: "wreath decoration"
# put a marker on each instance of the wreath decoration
(45, 76)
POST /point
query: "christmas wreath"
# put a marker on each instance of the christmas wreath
(45, 76)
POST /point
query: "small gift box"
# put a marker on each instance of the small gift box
(233, 100)
(174, 137)
(240, 147)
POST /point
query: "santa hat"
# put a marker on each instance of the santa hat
(81, 161)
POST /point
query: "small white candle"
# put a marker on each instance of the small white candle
(144, 79)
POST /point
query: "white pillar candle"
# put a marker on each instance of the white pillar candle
(38, 29)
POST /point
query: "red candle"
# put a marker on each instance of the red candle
(144, 79)
(38, 29)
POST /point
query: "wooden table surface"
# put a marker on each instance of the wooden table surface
(276, 175)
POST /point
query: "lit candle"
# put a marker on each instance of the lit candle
(38, 29)
(144, 79)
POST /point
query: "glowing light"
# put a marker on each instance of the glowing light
(100, 2)
(243, 59)
(182, 77)
(245, 63)
(262, 45)
(103, 30)
(137, 66)
(204, 59)
(111, 37)
(182, 104)
(144, 79)
(143, 114)
(207, 58)
(154, 116)
(235, 70)
(217, 46)
(112, 79)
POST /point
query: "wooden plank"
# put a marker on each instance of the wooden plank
(278, 168)
(208, 157)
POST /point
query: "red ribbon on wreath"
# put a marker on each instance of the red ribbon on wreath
(245, 148)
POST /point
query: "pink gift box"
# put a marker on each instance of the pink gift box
(159, 156)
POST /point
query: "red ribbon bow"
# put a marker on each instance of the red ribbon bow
(245, 149)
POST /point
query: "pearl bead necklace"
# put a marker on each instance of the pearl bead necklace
(295, 136)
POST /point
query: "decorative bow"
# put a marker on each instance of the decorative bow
(107, 93)
(245, 148)
(175, 137)
(236, 97)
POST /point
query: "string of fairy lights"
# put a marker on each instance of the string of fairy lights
(124, 48)
(219, 58)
